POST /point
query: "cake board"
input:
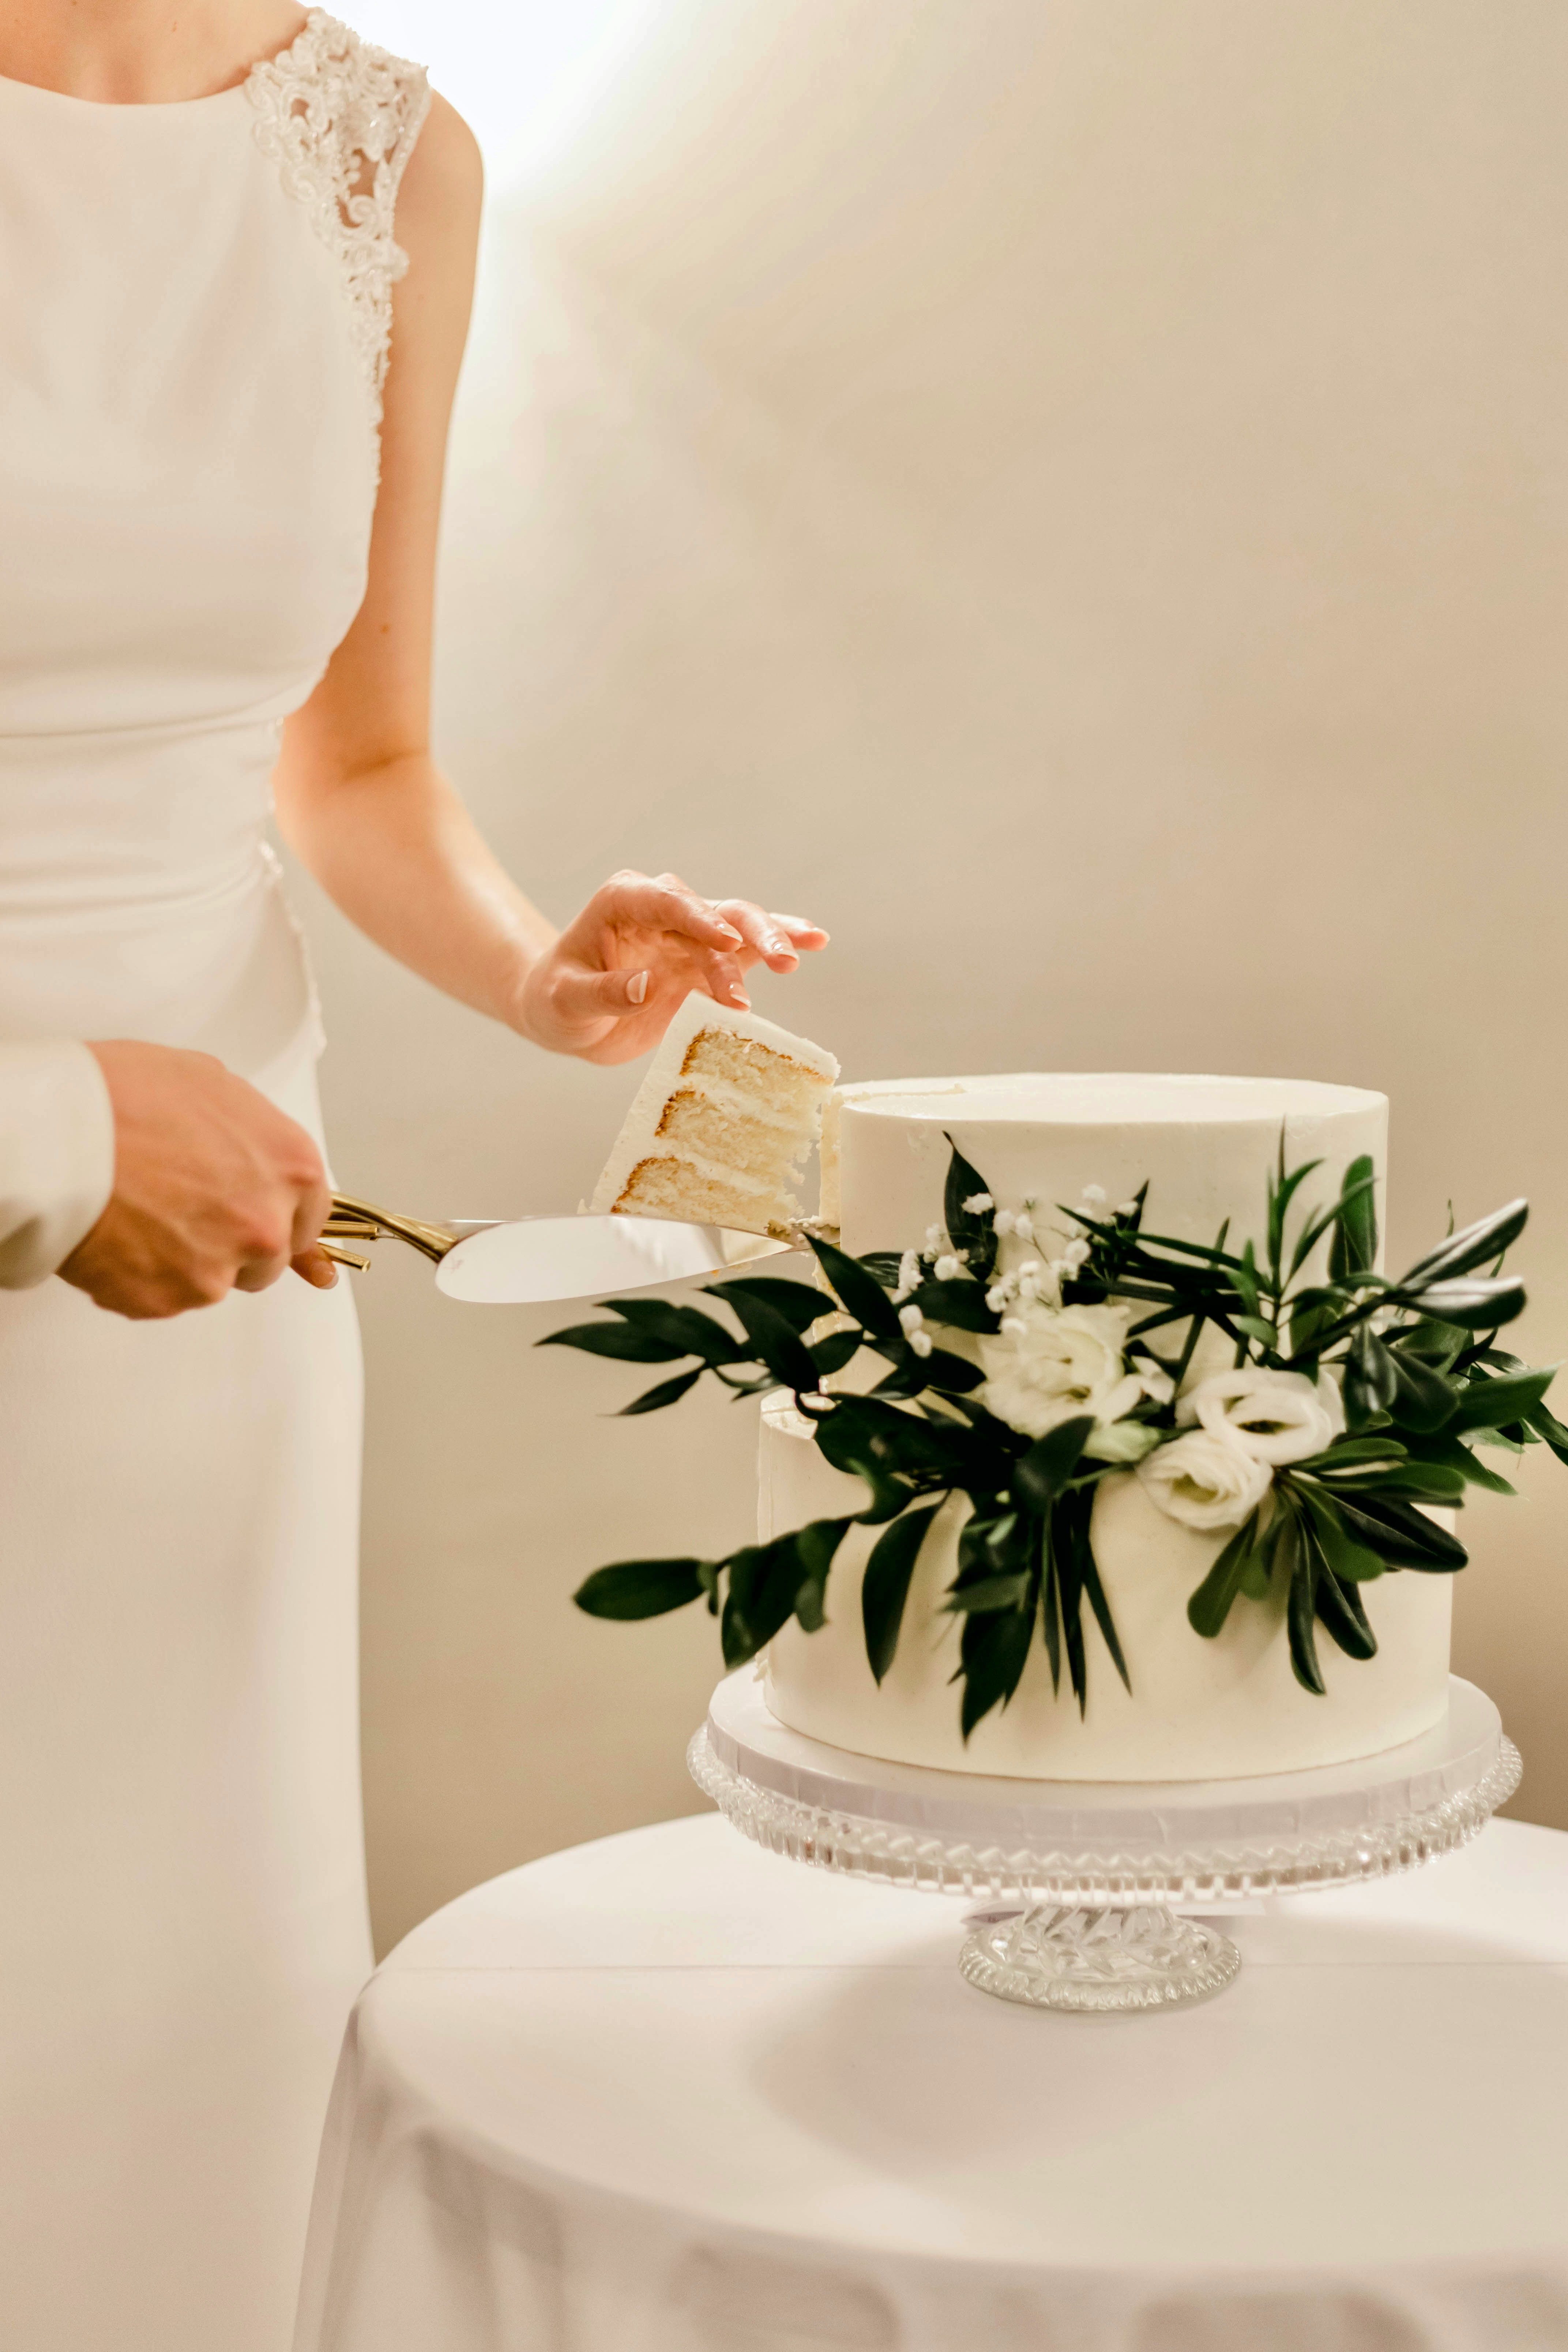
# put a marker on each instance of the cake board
(1081, 1878)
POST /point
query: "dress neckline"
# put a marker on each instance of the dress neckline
(120, 108)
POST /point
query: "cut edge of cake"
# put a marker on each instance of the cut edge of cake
(719, 1130)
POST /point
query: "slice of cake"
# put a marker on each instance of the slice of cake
(719, 1130)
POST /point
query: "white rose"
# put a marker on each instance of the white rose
(1275, 1416)
(1052, 1364)
(1205, 1479)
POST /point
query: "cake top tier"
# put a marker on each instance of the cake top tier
(1205, 1146)
(1074, 1099)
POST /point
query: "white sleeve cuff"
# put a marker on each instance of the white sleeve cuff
(57, 1156)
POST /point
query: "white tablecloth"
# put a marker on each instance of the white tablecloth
(667, 2092)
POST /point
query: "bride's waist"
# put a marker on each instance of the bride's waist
(80, 888)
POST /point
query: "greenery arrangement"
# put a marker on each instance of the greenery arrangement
(1344, 1401)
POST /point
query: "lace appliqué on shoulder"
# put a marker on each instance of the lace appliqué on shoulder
(341, 116)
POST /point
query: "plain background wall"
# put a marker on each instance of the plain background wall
(1074, 498)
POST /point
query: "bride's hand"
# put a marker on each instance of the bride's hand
(606, 989)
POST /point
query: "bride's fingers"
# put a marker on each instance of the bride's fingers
(663, 904)
(808, 936)
(312, 1266)
(593, 996)
(761, 932)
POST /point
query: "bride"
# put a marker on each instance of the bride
(220, 474)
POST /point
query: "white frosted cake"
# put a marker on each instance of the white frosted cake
(1197, 1708)
(719, 1130)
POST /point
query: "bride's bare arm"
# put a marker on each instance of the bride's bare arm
(362, 802)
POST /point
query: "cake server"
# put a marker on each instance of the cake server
(540, 1259)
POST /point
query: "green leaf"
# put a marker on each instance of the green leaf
(1256, 1329)
(1089, 1569)
(1425, 1398)
(1068, 1516)
(972, 1230)
(1312, 1314)
(1340, 1612)
(1487, 1403)
(994, 1653)
(620, 1340)
(858, 1292)
(795, 1302)
(817, 1548)
(1301, 1611)
(1478, 1244)
(668, 1393)
(950, 1375)
(764, 1579)
(1440, 1344)
(686, 1329)
(641, 1588)
(1476, 1304)
(1372, 1378)
(772, 1337)
(1353, 1453)
(1349, 1560)
(833, 1351)
(1211, 1602)
(1050, 1609)
(1044, 1471)
(1280, 1194)
(1002, 1591)
(961, 1305)
(1354, 1249)
(1546, 1425)
(1400, 1535)
(1462, 1458)
(886, 1585)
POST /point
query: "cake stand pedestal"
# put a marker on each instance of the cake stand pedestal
(1085, 1882)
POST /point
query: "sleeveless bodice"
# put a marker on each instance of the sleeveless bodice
(194, 307)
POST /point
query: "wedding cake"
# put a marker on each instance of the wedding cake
(1197, 1709)
(1098, 1446)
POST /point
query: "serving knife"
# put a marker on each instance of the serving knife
(538, 1259)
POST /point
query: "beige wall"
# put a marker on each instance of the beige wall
(1074, 497)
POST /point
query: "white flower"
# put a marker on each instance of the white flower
(1006, 1223)
(978, 1202)
(936, 1241)
(1128, 1208)
(1095, 1195)
(1024, 1225)
(1075, 1254)
(1154, 1381)
(1056, 1364)
(947, 1266)
(912, 1322)
(1275, 1416)
(1205, 1479)
(910, 1275)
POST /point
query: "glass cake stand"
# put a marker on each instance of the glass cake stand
(1084, 1883)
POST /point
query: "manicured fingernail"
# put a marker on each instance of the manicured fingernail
(729, 931)
(637, 987)
(738, 996)
(779, 945)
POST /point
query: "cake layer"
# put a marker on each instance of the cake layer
(1206, 1146)
(1198, 1709)
(718, 1130)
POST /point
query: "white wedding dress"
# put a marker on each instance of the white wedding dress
(194, 310)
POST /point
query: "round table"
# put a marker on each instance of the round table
(670, 2093)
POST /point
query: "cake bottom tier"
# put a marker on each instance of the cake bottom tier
(1197, 1710)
